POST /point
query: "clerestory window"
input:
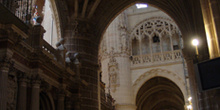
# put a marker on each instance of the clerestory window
(141, 5)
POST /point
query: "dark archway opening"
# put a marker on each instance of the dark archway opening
(45, 102)
(160, 94)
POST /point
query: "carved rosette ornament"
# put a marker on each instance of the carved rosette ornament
(113, 71)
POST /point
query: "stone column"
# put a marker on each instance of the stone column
(68, 104)
(79, 39)
(140, 48)
(22, 92)
(35, 93)
(60, 103)
(211, 21)
(116, 66)
(215, 10)
(124, 95)
(192, 82)
(4, 69)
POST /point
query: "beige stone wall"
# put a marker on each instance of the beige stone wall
(173, 72)
(135, 16)
(129, 77)
(49, 24)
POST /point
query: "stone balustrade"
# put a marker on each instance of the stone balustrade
(150, 59)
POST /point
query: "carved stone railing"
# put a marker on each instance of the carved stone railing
(52, 53)
(107, 101)
(28, 42)
(20, 8)
(170, 56)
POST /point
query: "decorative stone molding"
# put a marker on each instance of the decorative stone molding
(162, 73)
(156, 72)
(36, 80)
(113, 74)
(157, 58)
(12, 91)
(112, 53)
(154, 25)
(45, 87)
(6, 63)
(124, 41)
(78, 28)
(119, 38)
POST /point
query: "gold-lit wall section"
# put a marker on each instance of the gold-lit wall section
(210, 27)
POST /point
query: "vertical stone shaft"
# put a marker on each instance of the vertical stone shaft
(3, 85)
(68, 103)
(60, 104)
(216, 16)
(22, 94)
(80, 40)
(210, 17)
(193, 82)
(35, 95)
(117, 42)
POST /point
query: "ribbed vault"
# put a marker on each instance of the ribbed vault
(159, 94)
(99, 14)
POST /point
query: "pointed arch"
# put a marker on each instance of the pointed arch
(158, 72)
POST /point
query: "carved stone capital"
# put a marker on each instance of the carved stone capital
(79, 27)
(23, 79)
(45, 87)
(6, 64)
(36, 80)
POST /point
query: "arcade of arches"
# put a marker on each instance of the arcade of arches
(106, 54)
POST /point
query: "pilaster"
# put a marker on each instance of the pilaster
(215, 13)
(22, 92)
(5, 65)
(68, 103)
(211, 22)
(37, 36)
(35, 92)
(61, 98)
(116, 63)
(192, 81)
(60, 103)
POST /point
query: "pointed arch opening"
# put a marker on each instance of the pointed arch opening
(159, 93)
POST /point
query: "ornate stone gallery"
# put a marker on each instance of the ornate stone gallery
(106, 54)
(37, 72)
(134, 52)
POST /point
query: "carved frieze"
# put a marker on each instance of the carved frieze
(113, 74)
(12, 91)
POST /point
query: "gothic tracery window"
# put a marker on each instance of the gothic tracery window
(135, 47)
(145, 45)
(161, 34)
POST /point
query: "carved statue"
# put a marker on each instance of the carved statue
(113, 74)
(36, 18)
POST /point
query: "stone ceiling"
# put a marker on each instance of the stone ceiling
(99, 13)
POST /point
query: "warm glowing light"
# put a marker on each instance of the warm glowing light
(189, 107)
(141, 6)
(195, 42)
(190, 98)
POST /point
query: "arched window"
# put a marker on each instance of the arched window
(135, 47)
(156, 44)
(162, 35)
(145, 45)
(176, 40)
(166, 44)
